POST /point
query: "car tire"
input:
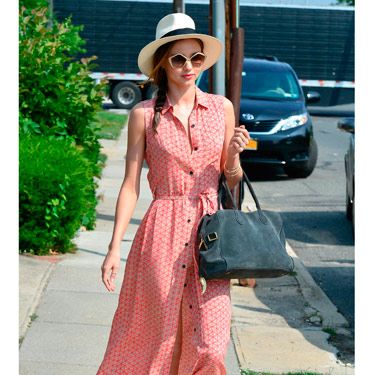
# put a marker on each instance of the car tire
(126, 95)
(349, 206)
(353, 218)
(305, 171)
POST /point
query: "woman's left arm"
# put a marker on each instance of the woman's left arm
(234, 142)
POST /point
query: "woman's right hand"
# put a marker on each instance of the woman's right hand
(110, 267)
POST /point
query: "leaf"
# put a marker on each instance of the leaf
(55, 201)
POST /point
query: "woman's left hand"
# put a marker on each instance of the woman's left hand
(239, 140)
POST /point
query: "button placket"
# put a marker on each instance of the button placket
(193, 125)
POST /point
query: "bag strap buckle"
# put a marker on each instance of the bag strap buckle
(212, 236)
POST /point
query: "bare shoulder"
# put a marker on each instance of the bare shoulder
(137, 110)
(136, 117)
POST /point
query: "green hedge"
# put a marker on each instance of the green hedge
(57, 96)
(56, 194)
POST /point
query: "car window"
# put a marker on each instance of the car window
(269, 85)
(262, 83)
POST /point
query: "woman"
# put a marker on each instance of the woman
(163, 323)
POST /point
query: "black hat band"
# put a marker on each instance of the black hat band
(179, 32)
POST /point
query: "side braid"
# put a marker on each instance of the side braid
(160, 100)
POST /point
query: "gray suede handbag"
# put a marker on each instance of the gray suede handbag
(238, 245)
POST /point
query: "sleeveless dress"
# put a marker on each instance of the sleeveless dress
(161, 273)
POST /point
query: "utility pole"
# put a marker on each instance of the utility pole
(218, 31)
(224, 25)
(50, 13)
(178, 6)
(236, 55)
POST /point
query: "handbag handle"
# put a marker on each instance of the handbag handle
(252, 192)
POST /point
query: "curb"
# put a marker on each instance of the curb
(36, 299)
(315, 296)
(317, 300)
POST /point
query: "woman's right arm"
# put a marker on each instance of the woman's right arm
(128, 195)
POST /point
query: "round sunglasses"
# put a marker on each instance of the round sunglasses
(179, 60)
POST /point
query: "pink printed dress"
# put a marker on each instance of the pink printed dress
(161, 273)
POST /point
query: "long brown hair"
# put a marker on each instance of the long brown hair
(158, 77)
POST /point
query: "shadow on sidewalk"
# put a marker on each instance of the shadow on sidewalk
(284, 303)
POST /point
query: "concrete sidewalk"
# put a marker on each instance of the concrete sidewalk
(65, 311)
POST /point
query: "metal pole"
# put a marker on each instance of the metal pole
(235, 75)
(178, 6)
(236, 63)
(50, 13)
(210, 28)
(219, 32)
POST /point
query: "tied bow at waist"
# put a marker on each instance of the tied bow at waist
(208, 200)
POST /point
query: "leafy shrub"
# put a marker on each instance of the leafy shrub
(56, 94)
(56, 194)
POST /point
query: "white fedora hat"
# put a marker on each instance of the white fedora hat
(178, 26)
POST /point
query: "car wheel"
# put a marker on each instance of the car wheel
(126, 95)
(349, 208)
(353, 218)
(307, 169)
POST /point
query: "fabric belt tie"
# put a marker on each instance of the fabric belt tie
(208, 200)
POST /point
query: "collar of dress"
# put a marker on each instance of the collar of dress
(200, 100)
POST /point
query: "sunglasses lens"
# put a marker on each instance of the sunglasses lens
(178, 61)
(198, 59)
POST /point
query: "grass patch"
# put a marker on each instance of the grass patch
(109, 124)
(249, 372)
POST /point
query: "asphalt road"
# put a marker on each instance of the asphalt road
(313, 210)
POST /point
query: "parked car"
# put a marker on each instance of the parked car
(347, 124)
(273, 110)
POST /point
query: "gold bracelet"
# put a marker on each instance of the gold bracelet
(232, 172)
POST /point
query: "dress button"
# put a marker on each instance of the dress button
(191, 306)
(195, 148)
(191, 172)
(186, 244)
(188, 220)
(193, 125)
(183, 266)
(195, 329)
(185, 285)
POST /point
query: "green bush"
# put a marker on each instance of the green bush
(56, 94)
(56, 194)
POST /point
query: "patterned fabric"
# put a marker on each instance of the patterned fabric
(161, 271)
